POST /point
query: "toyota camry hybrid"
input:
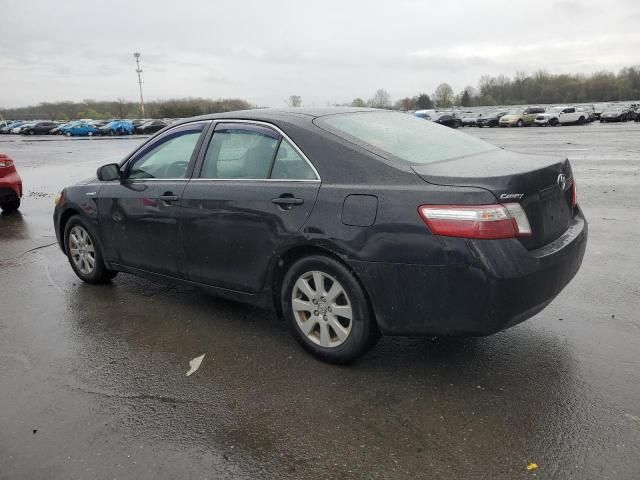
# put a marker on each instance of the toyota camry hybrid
(349, 223)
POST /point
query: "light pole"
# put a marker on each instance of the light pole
(139, 71)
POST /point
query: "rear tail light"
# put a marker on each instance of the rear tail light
(506, 220)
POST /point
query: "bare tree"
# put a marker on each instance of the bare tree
(381, 99)
(444, 95)
(294, 101)
(122, 107)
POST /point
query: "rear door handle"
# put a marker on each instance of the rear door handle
(168, 198)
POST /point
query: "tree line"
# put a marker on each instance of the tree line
(539, 88)
(120, 108)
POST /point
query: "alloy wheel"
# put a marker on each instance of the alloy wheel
(81, 250)
(322, 309)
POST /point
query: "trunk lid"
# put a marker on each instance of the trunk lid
(543, 186)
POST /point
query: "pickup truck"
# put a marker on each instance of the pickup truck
(561, 115)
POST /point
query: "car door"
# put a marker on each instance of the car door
(568, 115)
(138, 215)
(254, 191)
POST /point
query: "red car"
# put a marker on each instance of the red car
(10, 185)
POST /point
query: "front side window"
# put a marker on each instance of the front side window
(239, 151)
(169, 158)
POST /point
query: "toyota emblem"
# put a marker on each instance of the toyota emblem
(562, 181)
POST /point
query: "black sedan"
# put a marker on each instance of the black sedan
(491, 119)
(39, 128)
(614, 114)
(447, 119)
(151, 126)
(350, 223)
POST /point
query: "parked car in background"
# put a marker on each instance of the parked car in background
(443, 247)
(18, 129)
(152, 126)
(614, 114)
(425, 114)
(10, 126)
(79, 129)
(117, 127)
(448, 119)
(490, 119)
(57, 129)
(520, 117)
(598, 108)
(10, 185)
(469, 119)
(139, 121)
(561, 115)
(39, 128)
(589, 112)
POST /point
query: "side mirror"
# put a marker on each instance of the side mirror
(109, 172)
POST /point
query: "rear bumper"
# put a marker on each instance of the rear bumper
(502, 285)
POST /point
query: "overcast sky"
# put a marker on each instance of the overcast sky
(323, 50)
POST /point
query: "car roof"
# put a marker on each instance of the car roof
(291, 115)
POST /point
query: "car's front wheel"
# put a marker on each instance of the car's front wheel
(84, 252)
(327, 310)
(520, 123)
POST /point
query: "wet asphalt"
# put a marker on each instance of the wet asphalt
(93, 384)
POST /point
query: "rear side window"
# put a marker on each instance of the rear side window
(402, 136)
(290, 165)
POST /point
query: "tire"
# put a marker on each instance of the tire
(11, 206)
(520, 123)
(315, 323)
(76, 233)
(581, 121)
(68, 134)
(111, 134)
(90, 134)
(30, 132)
(553, 122)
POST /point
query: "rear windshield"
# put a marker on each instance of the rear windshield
(403, 136)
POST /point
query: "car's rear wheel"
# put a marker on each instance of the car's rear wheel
(11, 206)
(84, 252)
(327, 310)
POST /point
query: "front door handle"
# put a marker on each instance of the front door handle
(287, 202)
(169, 197)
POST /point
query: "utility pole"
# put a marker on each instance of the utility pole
(139, 71)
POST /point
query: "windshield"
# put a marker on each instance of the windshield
(402, 136)
(555, 110)
(514, 112)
